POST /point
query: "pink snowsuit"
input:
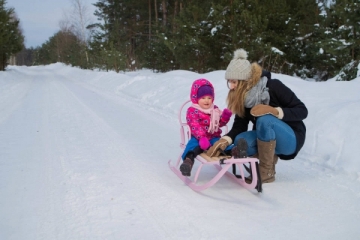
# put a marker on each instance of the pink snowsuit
(199, 121)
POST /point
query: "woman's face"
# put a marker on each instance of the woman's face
(232, 84)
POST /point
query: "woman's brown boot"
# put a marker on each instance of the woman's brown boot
(268, 159)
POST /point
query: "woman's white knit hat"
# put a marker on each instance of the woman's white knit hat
(239, 68)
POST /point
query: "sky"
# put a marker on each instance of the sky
(84, 156)
(40, 19)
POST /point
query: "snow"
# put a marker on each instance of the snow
(83, 155)
(276, 50)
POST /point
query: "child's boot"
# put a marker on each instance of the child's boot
(240, 150)
(187, 164)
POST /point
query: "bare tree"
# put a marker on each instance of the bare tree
(175, 15)
(149, 20)
(156, 12)
(77, 20)
(61, 38)
(164, 11)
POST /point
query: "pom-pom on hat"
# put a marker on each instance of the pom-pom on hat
(205, 90)
(239, 68)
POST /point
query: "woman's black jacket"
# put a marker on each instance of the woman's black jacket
(294, 112)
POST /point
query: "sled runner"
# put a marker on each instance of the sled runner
(222, 163)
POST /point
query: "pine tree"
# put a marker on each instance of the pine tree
(124, 26)
(190, 44)
(11, 38)
(343, 42)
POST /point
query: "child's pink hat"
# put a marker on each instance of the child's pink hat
(201, 87)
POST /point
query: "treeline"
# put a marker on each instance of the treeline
(308, 38)
(11, 37)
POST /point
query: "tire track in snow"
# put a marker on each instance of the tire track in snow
(100, 146)
(23, 140)
(150, 191)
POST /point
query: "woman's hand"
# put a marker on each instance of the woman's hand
(218, 146)
(261, 110)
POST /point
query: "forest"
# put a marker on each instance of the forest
(309, 38)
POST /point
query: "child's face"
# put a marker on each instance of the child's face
(205, 102)
(232, 84)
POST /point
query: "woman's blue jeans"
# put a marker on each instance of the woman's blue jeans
(269, 127)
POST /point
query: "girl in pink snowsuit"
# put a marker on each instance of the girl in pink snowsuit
(205, 120)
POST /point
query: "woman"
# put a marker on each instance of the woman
(274, 110)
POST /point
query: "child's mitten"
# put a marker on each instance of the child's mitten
(204, 143)
(226, 115)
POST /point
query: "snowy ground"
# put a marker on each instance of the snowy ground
(83, 155)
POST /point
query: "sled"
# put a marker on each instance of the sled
(221, 163)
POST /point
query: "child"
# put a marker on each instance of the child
(204, 119)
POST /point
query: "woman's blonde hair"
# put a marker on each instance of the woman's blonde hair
(236, 97)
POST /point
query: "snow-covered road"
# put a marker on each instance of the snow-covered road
(81, 162)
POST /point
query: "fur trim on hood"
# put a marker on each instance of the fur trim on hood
(256, 72)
